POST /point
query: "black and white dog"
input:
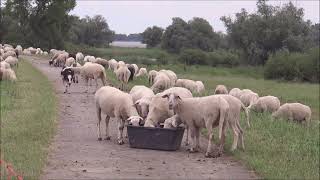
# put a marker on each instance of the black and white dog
(67, 77)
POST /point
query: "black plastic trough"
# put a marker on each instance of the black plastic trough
(155, 138)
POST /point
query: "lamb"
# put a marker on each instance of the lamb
(161, 82)
(151, 75)
(248, 98)
(158, 106)
(13, 61)
(91, 71)
(70, 61)
(172, 76)
(187, 83)
(294, 112)
(211, 111)
(265, 104)
(236, 92)
(221, 89)
(79, 57)
(142, 72)
(123, 75)
(200, 87)
(7, 74)
(141, 96)
(115, 104)
(113, 65)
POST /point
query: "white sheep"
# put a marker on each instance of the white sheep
(248, 98)
(159, 109)
(142, 72)
(221, 89)
(19, 49)
(201, 112)
(102, 62)
(161, 82)
(91, 71)
(26, 52)
(294, 112)
(7, 74)
(5, 65)
(60, 60)
(115, 104)
(123, 75)
(172, 76)
(79, 57)
(200, 87)
(9, 53)
(89, 59)
(13, 61)
(236, 92)
(151, 75)
(187, 83)
(120, 64)
(136, 68)
(113, 65)
(141, 96)
(265, 104)
(45, 53)
(70, 61)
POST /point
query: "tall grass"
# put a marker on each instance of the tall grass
(28, 114)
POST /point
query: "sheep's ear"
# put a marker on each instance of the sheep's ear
(178, 97)
(165, 96)
(129, 119)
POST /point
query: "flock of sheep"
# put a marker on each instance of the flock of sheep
(169, 100)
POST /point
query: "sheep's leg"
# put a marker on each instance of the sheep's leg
(98, 124)
(235, 136)
(120, 131)
(86, 80)
(187, 139)
(193, 147)
(210, 134)
(198, 138)
(96, 80)
(66, 88)
(222, 140)
(107, 128)
(240, 134)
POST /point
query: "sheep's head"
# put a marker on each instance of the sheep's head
(142, 106)
(173, 99)
(135, 120)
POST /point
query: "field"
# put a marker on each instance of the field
(274, 149)
(28, 114)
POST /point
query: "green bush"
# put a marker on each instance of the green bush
(193, 56)
(223, 58)
(293, 66)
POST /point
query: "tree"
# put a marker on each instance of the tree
(152, 36)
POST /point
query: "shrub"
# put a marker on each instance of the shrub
(193, 56)
(223, 58)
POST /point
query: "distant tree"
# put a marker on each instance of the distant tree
(152, 36)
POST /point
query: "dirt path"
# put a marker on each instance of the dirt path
(76, 154)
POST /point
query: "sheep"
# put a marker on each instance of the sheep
(136, 68)
(294, 112)
(151, 75)
(132, 71)
(248, 98)
(19, 49)
(123, 75)
(60, 60)
(221, 89)
(115, 104)
(172, 76)
(120, 64)
(142, 72)
(208, 112)
(1, 51)
(13, 61)
(161, 82)
(45, 53)
(9, 53)
(141, 96)
(200, 87)
(79, 57)
(113, 65)
(89, 59)
(266, 104)
(102, 62)
(5, 65)
(26, 52)
(158, 107)
(70, 61)
(187, 83)
(7, 74)
(91, 71)
(236, 92)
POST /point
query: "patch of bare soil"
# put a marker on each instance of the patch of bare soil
(75, 152)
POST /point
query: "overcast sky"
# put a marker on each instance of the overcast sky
(135, 16)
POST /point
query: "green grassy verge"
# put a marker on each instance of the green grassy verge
(28, 114)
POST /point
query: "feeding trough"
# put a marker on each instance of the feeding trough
(155, 138)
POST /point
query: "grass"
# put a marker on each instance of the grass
(274, 149)
(28, 114)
